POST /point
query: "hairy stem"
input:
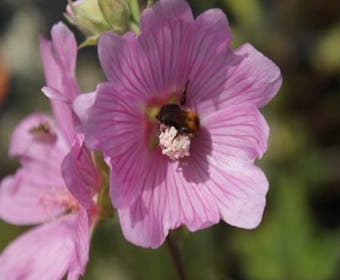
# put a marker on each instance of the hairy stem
(175, 256)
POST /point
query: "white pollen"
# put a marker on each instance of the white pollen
(174, 145)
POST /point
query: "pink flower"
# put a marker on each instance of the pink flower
(157, 184)
(56, 182)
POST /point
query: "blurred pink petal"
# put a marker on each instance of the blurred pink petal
(82, 104)
(32, 195)
(55, 165)
(82, 231)
(59, 61)
(65, 49)
(55, 95)
(37, 137)
(26, 198)
(46, 252)
(59, 58)
(37, 194)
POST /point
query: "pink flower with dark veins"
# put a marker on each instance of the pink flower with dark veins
(57, 182)
(179, 121)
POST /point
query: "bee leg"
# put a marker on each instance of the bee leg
(184, 95)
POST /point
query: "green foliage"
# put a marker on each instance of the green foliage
(325, 54)
(288, 245)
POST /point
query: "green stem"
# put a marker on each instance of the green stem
(175, 256)
(134, 27)
(106, 209)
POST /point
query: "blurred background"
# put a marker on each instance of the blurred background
(299, 237)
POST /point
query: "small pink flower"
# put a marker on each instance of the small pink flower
(56, 182)
(157, 184)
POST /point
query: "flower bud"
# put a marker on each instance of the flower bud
(93, 17)
(116, 13)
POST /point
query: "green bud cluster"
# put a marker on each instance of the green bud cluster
(92, 17)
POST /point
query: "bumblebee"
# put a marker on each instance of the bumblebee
(185, 121)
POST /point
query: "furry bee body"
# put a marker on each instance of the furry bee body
(186, 122)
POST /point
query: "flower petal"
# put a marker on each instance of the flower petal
(256, 79)
(46, 252)
(110, 46)
(110, 49)
(80, 175)
(97, 113)
(224, 168)
(163, 11)
(141, 223)
(59, 60)
(116, 126)
(215, 20)
(149, 66)
(242, 196)
(167, 204)
(203, 58)
(249, 77)
(82, 105)
(146, 223)
(65, 46)
(51, 67)
(55, 94)
(82, 245)
(237, 131)
(235, 192)
(37, 137)
(207, 191)
(30, 196)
